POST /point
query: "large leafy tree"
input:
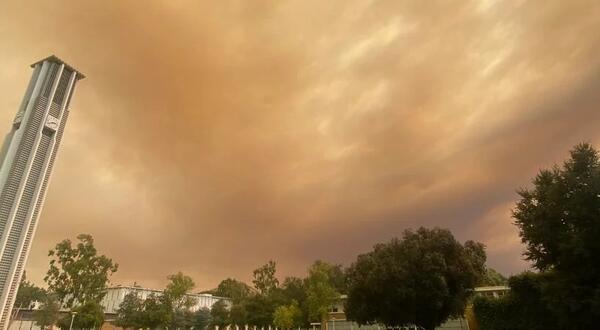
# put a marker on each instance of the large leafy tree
(320, 291)
(220, 314)
(522, 308)
(264, 278)
(130, 312)
(259, 310)
(202, 319)
(234, 289)
(559, 221)
(287, 317)
(422, 279)
(178, 295)
(28, 293)
(89, 315)
(48, 313)
(493, 278)
(178, 291)
(158, 312)
(293, 289)
(77, 274)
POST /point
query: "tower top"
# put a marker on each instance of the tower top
(55, 59)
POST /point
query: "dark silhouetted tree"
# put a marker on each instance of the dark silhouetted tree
(559, 221)
(422, 279)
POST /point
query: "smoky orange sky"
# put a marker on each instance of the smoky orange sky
(212, 136)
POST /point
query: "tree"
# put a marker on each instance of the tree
(178, 290)
(78, 275)
(47, 314)
(287, 317)
(202, 319)
(157, 312)
(234, 289)
(320, 292)
(28, 293)
(423, 279)
(238, 314)
(293, 290)
(492, 278)
(522, 308)
(559, 221)
(259, 309)
(219, 314)
(130, 312)
(89, 316)
(264, 278)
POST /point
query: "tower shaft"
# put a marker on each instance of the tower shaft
(26, 161)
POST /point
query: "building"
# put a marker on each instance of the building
(115, 295)
(492, 291)
(27, 158)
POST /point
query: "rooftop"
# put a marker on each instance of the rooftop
(55, 59)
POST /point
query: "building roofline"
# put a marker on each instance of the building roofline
(55, 59)
(161, 291)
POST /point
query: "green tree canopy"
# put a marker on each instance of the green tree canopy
(220, 314)
(287, 317)
(130, 312)
(78, 275)
(48, 313)
(320, 292)
(522, 308)
(88, 316)
(264, 278)
(238, 314)
(178, 290)
(259, 310)
(234, 289)
(492, 278)
(202, 319)
(28, 293)
(559, 221)
(422, 279)
(158, 312)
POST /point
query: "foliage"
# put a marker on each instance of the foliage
(131, 312)
(264, 278)
(183, 319)
(492, 278)
(157, 312)
(320, 293)
(234, 289)
(28, 293)
(219, 314)
(522, 308)
(178, 290)
(78, 275)
(259, 310)
(88, 316)
(293, 289)
(48, 312)
(423, 279)
(559, 221)
(202, 318)
(288, 317)
(238, 314)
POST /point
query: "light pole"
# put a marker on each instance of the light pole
(72, 319)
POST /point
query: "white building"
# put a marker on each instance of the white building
(26, 161)
(115, 295)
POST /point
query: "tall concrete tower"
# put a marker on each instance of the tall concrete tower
(26, 159)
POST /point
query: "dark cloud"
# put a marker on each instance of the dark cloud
(210, 137)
